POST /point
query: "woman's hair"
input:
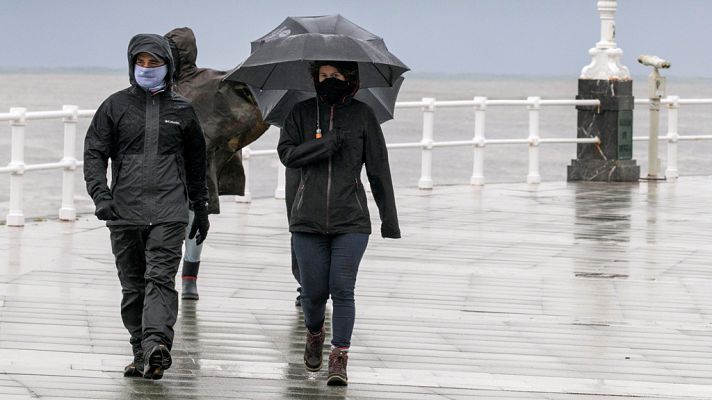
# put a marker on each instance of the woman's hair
(348, 69)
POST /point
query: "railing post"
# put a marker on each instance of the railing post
(247, 198)
(281, 181)
(478, 163)
(533, 106)
(15, 216)
(68, 212)
(671, 171)
(426, 167)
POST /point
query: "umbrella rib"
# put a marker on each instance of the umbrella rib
(264, 82)
(381, 73)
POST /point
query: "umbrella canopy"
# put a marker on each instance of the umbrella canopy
(280, 60)
(276, 104)
(327, 24)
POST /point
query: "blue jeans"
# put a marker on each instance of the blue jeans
(328, 265)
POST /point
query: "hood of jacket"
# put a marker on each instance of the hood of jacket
(154, 44)
(186, 51)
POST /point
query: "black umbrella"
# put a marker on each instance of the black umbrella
(276, 104)
(327, 24)
(280, 60)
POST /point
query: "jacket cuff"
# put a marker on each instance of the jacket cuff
(102, 198)
(392, 233)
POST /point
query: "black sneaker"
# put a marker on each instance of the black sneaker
(156, 360)
(337, 368)
(135, 369)
(313, 351)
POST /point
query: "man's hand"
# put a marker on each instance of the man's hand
(105, 210)
(200, 227)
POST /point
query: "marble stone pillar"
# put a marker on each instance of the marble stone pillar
(612, 122)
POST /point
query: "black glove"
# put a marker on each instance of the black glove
(105, 210)
(390, 232)
(200, 226)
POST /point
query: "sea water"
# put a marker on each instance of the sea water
(41, 91)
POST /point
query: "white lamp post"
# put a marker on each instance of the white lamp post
(607, 81)
(605, 63)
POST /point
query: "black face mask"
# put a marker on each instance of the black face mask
(333, 91)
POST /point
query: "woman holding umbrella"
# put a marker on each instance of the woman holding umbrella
(329, 138)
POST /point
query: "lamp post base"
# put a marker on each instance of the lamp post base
(603, 171)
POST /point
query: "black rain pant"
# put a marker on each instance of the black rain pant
(147, 260)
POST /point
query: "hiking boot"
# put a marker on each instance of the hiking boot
(337, 368)
(190, 288)
(135, 369)
(313, 351)
(156, 360)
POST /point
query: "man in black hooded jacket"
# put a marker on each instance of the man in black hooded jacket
(157, 150)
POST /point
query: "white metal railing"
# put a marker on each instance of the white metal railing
(70, 115)
(428, 106)
(18, 118)
(479, 141)
(673, 104)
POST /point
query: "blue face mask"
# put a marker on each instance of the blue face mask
(151, 78)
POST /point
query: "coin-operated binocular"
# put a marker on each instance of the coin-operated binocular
(656, 91)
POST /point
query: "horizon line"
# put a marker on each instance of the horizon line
(411, 74)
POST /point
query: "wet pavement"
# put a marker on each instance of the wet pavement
(556, 291)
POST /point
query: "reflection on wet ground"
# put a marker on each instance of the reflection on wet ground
(561, 291)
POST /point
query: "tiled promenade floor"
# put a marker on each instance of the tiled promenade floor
(561, 291)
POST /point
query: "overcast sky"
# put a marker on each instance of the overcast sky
(530, 37)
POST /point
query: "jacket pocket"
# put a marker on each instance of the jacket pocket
(300, 199)
(167, 180)
(115, 175)
(127, 187)
(358, 202)
(181, 175)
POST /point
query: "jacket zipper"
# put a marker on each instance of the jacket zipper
(328, 181)
(357, 200)
(153, 103)
(150, 213)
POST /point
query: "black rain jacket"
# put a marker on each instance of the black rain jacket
(228, 115)
(330, 198)
(156, 147)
